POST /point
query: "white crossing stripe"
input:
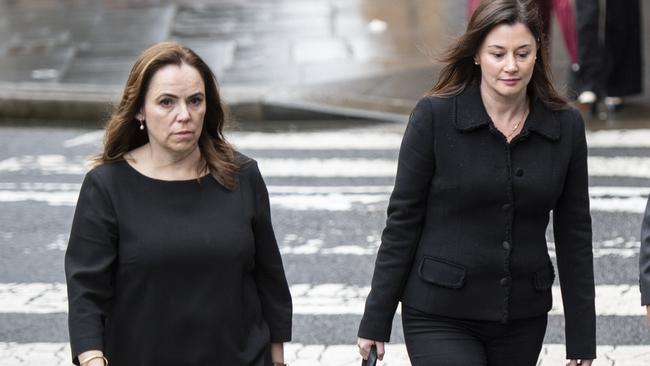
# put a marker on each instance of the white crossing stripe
(354, 139)
(328, 198)
(296, 354)
(619, 138)
(328, 298)
(359, 139)
(630, 166)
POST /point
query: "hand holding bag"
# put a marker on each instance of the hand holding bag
(372, 357)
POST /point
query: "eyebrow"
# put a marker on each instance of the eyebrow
(169, 95)
(503, 48)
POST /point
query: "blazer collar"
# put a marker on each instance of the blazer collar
(470, 114)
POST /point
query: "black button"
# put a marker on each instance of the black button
(506, 207)
(505, 281)
(506, 245)
(519, 172)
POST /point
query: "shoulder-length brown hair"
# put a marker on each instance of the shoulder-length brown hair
(460, 71)
(123, 132)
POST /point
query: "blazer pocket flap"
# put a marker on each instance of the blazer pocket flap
(441, 272)
(543, 278)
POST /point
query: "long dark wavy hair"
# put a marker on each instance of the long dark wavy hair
(460, 71)
(122, 130)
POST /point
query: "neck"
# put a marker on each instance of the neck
(501, 107)
(174, 164)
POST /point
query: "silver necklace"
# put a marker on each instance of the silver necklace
(516, 125)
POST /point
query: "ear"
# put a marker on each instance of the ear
(140, 116)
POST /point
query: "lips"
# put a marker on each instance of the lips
(183, 133)
(510, 81)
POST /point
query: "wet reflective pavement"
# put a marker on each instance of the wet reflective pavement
(336, 55)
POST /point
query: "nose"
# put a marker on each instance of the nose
(511, 64)
(183, 113)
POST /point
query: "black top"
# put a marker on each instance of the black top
(465, 234)
(175, 272)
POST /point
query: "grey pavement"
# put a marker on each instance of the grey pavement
(68, 60)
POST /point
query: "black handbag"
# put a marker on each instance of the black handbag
(372, 357)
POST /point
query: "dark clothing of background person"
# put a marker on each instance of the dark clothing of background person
(175, 272)
(465, 234)
(609, 54)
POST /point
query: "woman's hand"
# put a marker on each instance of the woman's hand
(364, 348)
(579, 363)
(277, 352)
(92, 359)
(647, 308)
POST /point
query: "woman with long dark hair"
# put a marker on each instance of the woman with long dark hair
(172, 259)
(485, 159)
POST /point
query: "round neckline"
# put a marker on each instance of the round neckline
(139, 173)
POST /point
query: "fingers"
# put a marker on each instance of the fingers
(364, 347)
(380, 350)
(581, 363)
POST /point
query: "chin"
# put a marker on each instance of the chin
(511, 92)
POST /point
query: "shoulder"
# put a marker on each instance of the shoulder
(432, 103)
(248, 168)
(246, 163)
(569, 116)
(107, 172)
(428, 107)
(571, 123)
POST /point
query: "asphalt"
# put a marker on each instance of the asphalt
(274, 59)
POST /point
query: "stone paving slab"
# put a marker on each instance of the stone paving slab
(58, 354)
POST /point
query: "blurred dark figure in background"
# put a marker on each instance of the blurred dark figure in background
(609, 50)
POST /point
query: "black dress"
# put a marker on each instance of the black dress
(175, 272)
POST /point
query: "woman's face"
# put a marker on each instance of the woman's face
(174, 108)
(507, 59)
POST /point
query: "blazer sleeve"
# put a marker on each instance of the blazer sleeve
(270, 278)
(573, 245)
(89, 261)
(644, 257)
(405, 216)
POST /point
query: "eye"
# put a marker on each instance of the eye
(196, 100)
(523, 54)
(166, 102)
(497, 55)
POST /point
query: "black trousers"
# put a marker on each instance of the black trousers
(433, 340)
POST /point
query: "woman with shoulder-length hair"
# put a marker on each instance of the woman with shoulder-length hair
(485, 159)
(172, 259)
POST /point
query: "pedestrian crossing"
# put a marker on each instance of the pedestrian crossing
(329, 189)
(325, 298)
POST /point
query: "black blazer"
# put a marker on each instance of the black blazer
(465, 234)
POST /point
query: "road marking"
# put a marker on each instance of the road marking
(354, 139)
(329, 298)
(309, 198)
(58, 354)
(619, 138)
(90, 138)
(313, 167)
(359, 139)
